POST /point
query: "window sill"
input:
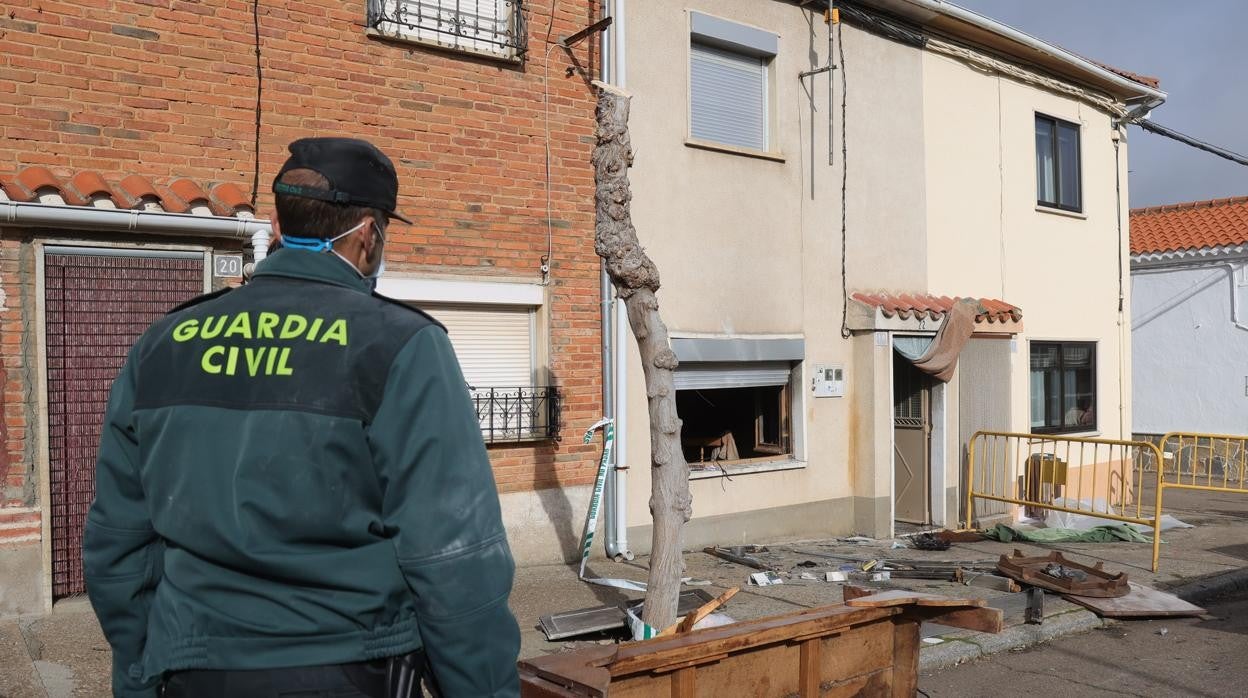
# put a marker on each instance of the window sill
(1061, 212)
(757, 466)
(379, 35)
(1040, 436)
(734, 150)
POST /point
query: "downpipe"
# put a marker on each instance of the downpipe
(615, 336)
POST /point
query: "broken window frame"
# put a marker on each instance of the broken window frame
(780, 449)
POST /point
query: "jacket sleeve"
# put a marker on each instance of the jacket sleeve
(121, 554)
(441, 504)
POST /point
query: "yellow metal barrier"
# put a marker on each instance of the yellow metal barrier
(1103, 478)
(1195, 461)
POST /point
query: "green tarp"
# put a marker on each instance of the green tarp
(1109, 533)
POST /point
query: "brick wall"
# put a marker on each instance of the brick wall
(167, 88)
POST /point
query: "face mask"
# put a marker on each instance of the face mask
(321, 245)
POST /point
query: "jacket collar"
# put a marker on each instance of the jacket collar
(312, 266)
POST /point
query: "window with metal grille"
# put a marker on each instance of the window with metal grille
(1063, 387)
(729, 82)
(497, 350)
(1057, 164)
(492, 27)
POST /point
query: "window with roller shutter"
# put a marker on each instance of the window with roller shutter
(729, 83)
(497, 347)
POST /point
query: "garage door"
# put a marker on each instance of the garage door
(97, 303)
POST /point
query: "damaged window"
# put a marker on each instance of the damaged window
(734, 425)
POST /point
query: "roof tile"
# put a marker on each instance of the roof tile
(1189, 226)
(82, 188)
(908, 305)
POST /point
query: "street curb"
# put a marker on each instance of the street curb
(1213, 586)
(956, 650)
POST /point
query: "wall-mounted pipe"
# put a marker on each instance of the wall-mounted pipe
(16, 213)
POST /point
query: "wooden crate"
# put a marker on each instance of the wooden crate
(868, 646)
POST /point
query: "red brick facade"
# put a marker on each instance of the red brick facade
(167, 89)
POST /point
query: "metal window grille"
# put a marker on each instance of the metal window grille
(495, 27)
(517, 414)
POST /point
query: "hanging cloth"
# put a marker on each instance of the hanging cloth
(941, 356)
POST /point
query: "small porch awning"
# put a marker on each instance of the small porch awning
(884, 311)
(954, 321)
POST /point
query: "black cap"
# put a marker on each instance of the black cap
(359, 174)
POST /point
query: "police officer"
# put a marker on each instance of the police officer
(292, 494)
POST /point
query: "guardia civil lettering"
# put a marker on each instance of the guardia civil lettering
(231, 358)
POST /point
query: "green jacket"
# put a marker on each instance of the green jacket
(292, 474)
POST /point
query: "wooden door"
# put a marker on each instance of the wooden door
(912, 430)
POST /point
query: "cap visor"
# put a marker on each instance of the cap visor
(400, 216)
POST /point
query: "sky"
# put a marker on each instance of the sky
(1198, 48)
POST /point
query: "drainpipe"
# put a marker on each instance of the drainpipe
(16, 213)
(260, 245)
(615, 330)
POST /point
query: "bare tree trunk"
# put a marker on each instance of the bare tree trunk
(636, 280)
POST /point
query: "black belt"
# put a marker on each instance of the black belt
(397, 677)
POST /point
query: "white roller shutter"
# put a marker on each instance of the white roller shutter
(494, 343)
(709, 376)
(728, 97)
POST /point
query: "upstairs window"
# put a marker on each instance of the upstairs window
(489, 27)
(1057, 164)
(730, 101)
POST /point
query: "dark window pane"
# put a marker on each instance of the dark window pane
(1068, 165)
(1063, 386)
(1046, 168)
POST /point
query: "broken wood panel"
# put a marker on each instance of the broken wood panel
(771, 671)
(1140, 602)
(879, 683)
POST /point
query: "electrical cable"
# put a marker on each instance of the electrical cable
(1156, 128)
(255, 174)
(840, 49)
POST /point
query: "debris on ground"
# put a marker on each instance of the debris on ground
(1056, 573)
(929, 541)
(741, 554)
(609, 618)
(1139, 602)
(765, 579)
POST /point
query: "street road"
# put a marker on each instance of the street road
(1189, 657)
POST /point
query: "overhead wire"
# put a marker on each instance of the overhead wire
(840, 49)
(1156, 128)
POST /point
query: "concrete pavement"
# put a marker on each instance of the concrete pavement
(64, 654)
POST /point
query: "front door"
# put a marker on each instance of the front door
(912, 430)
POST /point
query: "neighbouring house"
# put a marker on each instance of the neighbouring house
(1189, 336)
(962, 159)
(139, 138)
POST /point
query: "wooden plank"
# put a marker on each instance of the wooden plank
(690, 620)
(809, 670)
(774, 670)
(901, 597)
(984, 620)
(905, 657)
(987, 581)
(1140, 602)
(879, 683)
(685, 683)
(710, 643)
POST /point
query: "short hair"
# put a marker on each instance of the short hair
(300, 216)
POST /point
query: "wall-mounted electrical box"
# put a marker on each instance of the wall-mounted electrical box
(828, 381)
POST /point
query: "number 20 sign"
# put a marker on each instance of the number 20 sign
(227, 265)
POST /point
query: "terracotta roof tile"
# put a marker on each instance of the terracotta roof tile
(84, 187)
(907, 305)
(227, 197)
(1147, 80)
(1189, 226)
